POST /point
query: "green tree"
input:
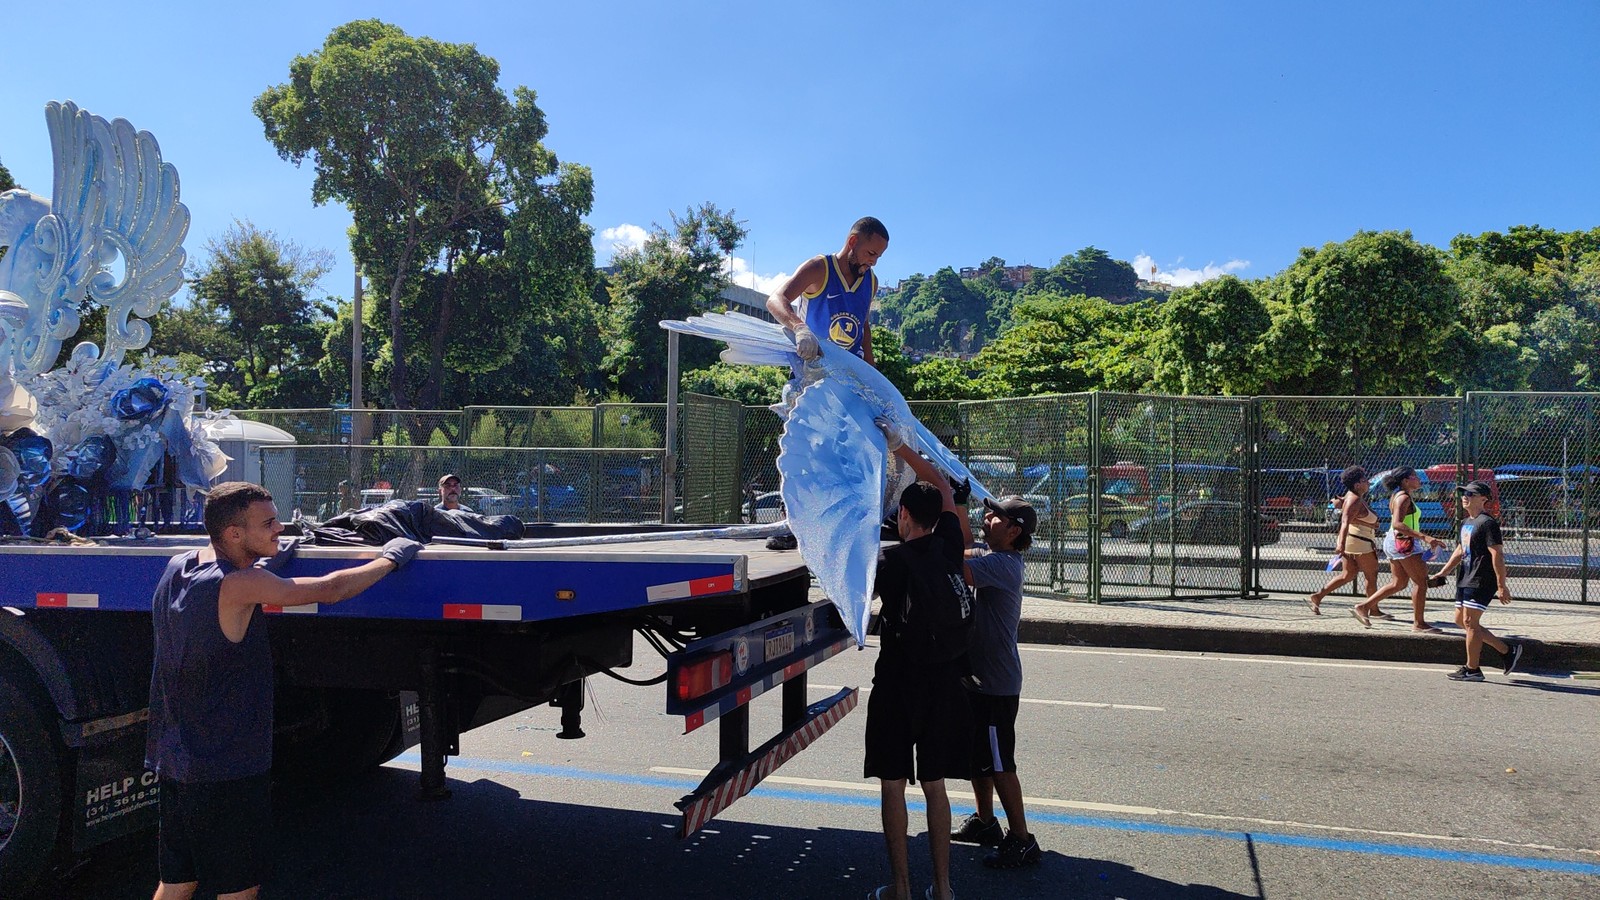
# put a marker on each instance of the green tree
(1042, 353)
(1523, 246)
(750, 385)
(1367, 316)
(1090, 271)
(946, 314)
(677, 272)
(260, 286)
(943, 378)
(6, 182)
(1207, 342)
(467, 223)
(891, 307)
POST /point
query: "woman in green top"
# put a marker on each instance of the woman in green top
(1404, 545)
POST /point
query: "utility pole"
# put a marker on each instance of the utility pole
(355, 348)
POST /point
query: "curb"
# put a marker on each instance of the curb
(1443, 649)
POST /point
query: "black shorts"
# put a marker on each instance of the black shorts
(1477, 598)
(927, 713)
(994, 733)
(216, 832)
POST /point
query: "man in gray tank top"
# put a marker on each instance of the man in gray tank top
(210, 733)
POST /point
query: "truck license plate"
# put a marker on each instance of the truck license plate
(780, 642)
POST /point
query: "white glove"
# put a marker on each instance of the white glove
(891, 433)
(805, 344)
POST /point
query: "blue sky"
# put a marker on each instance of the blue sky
(1199, 137)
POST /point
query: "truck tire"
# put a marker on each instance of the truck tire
(338, 733)
(30, 792)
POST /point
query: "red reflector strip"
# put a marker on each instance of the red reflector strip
(694, 587)
(483, 612)
(66, 601)
(702, 810)
(755, 689)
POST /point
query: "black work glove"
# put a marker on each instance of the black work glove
(962, 490)
(399, 551)
(287, 547)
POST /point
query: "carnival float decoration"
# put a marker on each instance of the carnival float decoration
(833, 456)
(79, 440)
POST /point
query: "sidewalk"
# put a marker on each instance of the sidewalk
(1561, 637)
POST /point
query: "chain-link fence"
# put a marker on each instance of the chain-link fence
(1304, 444)
(536, 484)
(1540, 456)
(308, 426)
(1138, 496)
(712, 459)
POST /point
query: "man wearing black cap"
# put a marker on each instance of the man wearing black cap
(450, 493)
(996, 570)
(1483, 575)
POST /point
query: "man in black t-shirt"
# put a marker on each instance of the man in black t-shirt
(917, 715)
(1482, 576)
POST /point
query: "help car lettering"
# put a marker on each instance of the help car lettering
(118, 788)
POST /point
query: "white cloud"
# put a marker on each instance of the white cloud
(738, 269)
(623, 237)
(1177, 275)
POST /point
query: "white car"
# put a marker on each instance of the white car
(766, 509)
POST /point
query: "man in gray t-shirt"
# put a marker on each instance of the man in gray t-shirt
(996, 571)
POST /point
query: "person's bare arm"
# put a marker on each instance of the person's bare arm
(805, 280)
(1450, 564)
(1345, 515)
(926, 472)
(247, 588)
(1497, 556)
(866, 342)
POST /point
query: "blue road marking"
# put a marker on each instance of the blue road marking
(1369, 848)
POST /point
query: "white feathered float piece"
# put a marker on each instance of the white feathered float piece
(832, 456)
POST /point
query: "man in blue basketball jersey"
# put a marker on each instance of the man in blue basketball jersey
(826, 303)
(827, 300)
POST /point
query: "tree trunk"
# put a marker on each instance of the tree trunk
(399, 395)
(431, 389)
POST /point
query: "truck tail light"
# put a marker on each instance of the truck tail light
(705, 675)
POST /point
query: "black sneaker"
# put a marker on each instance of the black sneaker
(783, 541)
(1513, 656)
(1014, 853)
(975, 830)
(1466, 674)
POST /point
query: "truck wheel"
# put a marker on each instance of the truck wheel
(336, 734)
(30, 790)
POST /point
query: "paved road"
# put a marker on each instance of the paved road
(1151, 775)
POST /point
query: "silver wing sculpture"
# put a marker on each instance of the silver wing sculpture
(832, 455)
(113, 232)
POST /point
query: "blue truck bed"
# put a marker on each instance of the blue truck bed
(444, 582)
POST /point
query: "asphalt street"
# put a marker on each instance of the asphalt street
(1149, 774)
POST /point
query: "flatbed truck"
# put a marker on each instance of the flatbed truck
(461, 637)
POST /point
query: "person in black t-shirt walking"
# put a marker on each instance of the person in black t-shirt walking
(1482, 576)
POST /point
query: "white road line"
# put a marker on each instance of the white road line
(1150, 811)
(830, 688)
(1192, 657)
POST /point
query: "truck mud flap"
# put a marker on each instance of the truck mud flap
(731, 780)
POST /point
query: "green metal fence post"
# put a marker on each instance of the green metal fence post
(1092, 479)
(1590, 458)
